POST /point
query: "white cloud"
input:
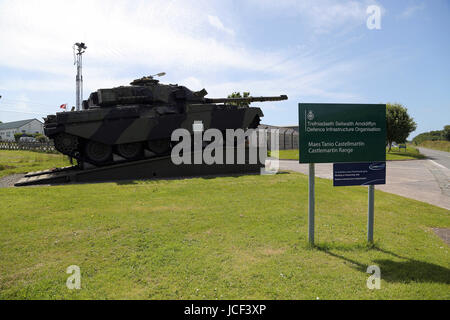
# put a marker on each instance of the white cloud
(39, 36)
(23, 104)
(20, 106)
(216, 23)
(322, 16)
(411, 10)
(127, 40)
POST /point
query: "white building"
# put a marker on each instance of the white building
(7, 130)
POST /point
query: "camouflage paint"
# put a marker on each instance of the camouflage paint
(144, 111)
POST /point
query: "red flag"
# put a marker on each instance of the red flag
(63, 106)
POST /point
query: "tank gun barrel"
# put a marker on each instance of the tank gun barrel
(246, 99)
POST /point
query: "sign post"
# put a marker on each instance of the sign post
(343, 133)
(361, 174)
(311, 195)
(370, 213)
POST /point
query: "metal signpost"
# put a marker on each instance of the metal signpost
(341, 133)
(361, 174)
(370, 212)
(311, 204)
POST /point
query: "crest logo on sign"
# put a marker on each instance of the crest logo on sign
(310, 115)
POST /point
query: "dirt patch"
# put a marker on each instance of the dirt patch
(443, 233)
(272, 251)
(10, 180)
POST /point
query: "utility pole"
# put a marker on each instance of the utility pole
(78, 50)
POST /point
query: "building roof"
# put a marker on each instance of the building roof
(266, 126)
(15, 124)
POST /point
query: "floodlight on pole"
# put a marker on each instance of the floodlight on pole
(78, 50)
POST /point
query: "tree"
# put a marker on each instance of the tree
(398, 124)
(238, 95)
(447, 132)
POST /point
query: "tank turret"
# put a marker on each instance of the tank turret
(144, 90)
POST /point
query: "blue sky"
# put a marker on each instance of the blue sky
(313, 51)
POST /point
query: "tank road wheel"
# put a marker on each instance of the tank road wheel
(98, 152)
(130, 150)
(159, 147)
(66, 143)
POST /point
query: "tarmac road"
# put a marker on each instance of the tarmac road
(424, 180)
(440, 157)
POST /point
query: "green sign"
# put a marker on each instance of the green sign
(342, 132)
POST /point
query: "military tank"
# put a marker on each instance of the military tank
(132, 122)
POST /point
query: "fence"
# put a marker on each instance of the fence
(287, 138)
(46, 147)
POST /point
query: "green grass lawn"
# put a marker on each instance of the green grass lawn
(26, 161)
(436, 145)
(290, 154)
(395, 154)
(217, 238)
(402, 154)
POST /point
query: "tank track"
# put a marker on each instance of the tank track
(98, 154)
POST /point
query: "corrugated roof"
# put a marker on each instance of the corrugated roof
(15, 124)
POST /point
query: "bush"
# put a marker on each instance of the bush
(436, 135)
(19, 135)
(40, 138)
